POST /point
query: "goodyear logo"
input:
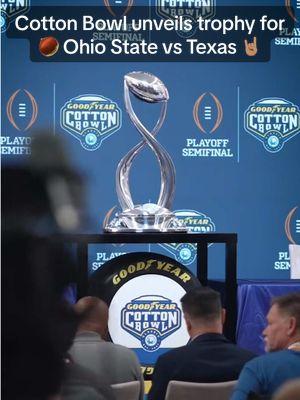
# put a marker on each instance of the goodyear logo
(10, 9)
(195, 222)
(90, 119)
(192, 9)
(151, 319)
(151, 265)
(273, 121)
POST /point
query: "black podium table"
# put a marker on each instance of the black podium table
(202, 240)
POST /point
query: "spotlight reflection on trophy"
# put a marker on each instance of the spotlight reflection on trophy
(147, 217)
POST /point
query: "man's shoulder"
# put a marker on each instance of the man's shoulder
(198, 348)
(118, 347)
(243, 352)
(174, 354)
(87, 337)
(217, 344)
(269, 359)
(121, 350)
(98, 344)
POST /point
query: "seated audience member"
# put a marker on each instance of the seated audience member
(208, 356)
(266, 373)
(80, 383)
(112, 362)
(288, 391)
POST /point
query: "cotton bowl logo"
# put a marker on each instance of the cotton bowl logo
(151, 319)
(192, 9)
(195, 222)
(90, 119)
(10, 9)
(273, 121)
(208, 112)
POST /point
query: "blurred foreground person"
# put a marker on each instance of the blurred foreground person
(208, 356)
(111, 362)
(38, 326)
(266, 373)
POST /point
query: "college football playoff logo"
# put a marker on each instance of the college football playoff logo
(208, 112)
(22, 110)
(292, 225)
(290, 9)
(125, 9)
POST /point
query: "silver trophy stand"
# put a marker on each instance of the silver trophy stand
(147, 217)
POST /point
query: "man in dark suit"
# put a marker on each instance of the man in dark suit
(208, 356)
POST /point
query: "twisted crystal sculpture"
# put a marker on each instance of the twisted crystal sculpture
(147, 217)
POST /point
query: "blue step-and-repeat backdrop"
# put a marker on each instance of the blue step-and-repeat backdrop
(232, 130)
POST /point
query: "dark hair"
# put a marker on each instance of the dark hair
(289, 304)
(202, 303)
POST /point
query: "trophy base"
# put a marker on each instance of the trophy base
(146, 218)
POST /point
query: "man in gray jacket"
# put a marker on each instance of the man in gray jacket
(112, 362)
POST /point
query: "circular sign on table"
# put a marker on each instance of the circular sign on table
(143, 291)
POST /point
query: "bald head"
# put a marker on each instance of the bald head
(94, 315)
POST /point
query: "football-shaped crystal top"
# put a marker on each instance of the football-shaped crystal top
(146, 87)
